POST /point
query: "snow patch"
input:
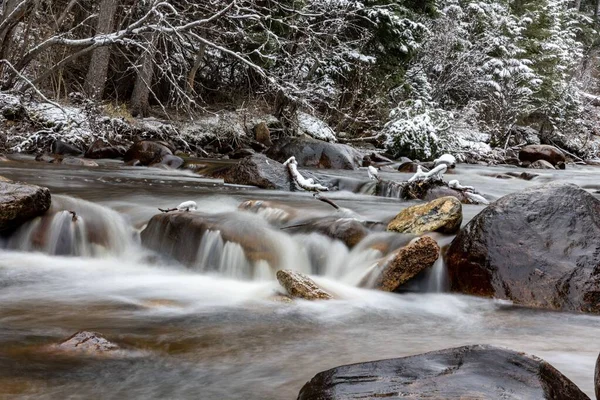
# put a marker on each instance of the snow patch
(314, 127)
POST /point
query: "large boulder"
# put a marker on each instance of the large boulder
(539, 247)
(403, 265)
(545, 152)
(470, 372)
(442, 215)
(147, 152)
(258, 170)
(21, 202)
(316, 154)
(301, 286)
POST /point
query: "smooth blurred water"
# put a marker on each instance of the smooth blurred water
(205, 332)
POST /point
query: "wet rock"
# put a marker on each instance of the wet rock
(316, 154)
(99, 150)
(441, 215)
(89, 343)
(47, 158)
(301, 286)
(545, 152)
(179, 234)
(539, 247)
(527, 176)
(21, 202)
(408, 167)
(169, 161)
(404, 264)
(275, 213)
(79, 162)
(65, 149)
(258, 170)
(471, 372)
(347, 230)
(147, 152)
(262, 134)
(597, 378)
(541, 164)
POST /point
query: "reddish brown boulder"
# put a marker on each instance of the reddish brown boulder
(545, 152)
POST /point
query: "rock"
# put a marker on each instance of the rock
(80, 162)
(539, 247)
(169, 161)
(316, 154)
(179, 234)
(527, 176)
(98, 150)
(409, 167)
(21, 202)
(275, 213)
(545, 152)
(11, 107)
(523, 134)
(89, 343)
(262, 134)
(597, 378)
(241, 153)
(479, 372)
(404, 264)
(147, 152)
(258, 170)
(65, 149)
(442, 215)
(541, 164)
(315, 127)
(347, 230)
(301, 286)
(47, 158)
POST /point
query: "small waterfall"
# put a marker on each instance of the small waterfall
(74, 227)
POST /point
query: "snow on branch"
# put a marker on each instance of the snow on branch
(306, 184)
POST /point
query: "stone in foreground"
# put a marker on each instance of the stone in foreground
(90, 343)
(539, 248)
(470, 372)
(301, 286)
(406, 263)
(21, 202)
(443, 215)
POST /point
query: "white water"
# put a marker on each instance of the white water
(211, 331)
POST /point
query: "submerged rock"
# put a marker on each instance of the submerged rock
(260, 171)
(301, 286)
(21, 202)
(347, 230)
(471, 372)
(79, 162)
(316, 154)
(275, 213)
(179, 234)
(443, 215)
(404, 264)
(89, 343)
(147, 152)
(541, 164)
(169, 161)
(539, 247)
(535, 152)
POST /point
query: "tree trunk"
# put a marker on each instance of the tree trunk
(140, 98)
(577, 5)
(597, 10)
(95, 80)
(192, 74)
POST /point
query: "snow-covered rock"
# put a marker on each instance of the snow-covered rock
(314, 127)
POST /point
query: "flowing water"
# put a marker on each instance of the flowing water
(212, 330)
